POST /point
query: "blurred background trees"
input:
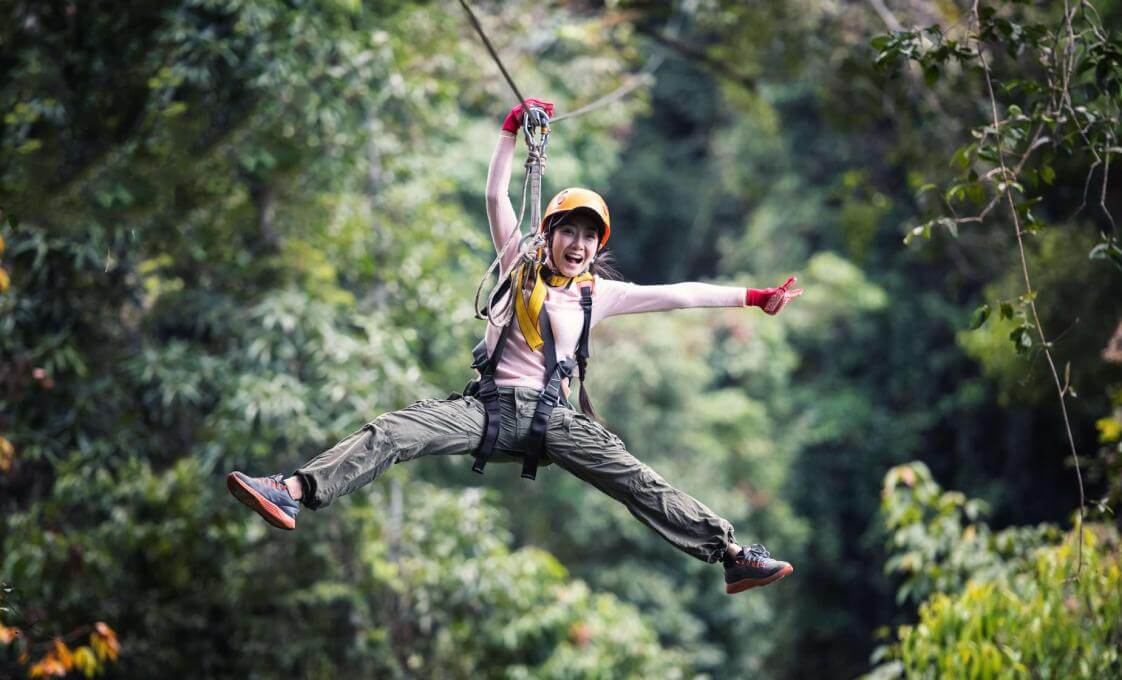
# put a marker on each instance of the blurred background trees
(235, 231)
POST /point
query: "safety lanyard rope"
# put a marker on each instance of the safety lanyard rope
(530, 247)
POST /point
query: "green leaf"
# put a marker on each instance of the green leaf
(923, 230)
(962, 154)
(1107, 251)
(1022, 339)
(981, 314)
(975, 192)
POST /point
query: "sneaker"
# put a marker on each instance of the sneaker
(753, 567)
(268, 496)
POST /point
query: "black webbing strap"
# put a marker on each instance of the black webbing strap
(550, 397)
(582, 344)
(488, 394)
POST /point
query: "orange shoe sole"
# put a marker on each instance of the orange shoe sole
(267, 509)
(748, 583)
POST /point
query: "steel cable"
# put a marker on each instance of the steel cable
(491, 49)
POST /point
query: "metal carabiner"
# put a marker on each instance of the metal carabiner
(536, 118)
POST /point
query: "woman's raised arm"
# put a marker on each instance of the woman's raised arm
(500, 213)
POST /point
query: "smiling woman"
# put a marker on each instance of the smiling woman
(574, 243)
(517, 410)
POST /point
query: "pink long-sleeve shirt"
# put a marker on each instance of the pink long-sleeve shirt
(522, 367)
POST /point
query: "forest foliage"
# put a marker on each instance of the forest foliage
(235, 230)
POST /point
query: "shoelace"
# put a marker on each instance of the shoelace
(759, 551)
(756, 553)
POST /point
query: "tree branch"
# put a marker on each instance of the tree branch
(696, 54)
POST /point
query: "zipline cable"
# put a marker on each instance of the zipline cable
(620, 92)
(674, 26)
(491, 49)
(635, 81)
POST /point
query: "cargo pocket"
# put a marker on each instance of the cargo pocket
(567, 421)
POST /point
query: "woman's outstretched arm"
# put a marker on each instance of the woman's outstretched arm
(618, 297)
(500, 212)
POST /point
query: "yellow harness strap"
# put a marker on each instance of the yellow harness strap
(527, 312)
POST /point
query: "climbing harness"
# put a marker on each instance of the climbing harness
(524, 289)
(557, 371)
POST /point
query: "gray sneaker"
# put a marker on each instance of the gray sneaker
(753, 567)
(268, 496)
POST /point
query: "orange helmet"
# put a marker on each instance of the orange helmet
(575, 198)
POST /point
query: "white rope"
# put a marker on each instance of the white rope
(527, 252)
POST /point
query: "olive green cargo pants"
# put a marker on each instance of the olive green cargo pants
(574, 442)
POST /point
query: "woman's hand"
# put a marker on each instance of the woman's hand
(513, 119)
(771, 300)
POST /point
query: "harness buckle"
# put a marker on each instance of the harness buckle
(565, 368)
(479, 356)
(487, 391)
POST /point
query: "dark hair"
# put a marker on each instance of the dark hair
(604, 265)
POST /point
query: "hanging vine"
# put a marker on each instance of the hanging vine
(1067, 106)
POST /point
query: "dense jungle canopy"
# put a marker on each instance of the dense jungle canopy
(233, 231)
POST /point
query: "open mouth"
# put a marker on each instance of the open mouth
(574, 259)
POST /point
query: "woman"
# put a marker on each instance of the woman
(547, 318)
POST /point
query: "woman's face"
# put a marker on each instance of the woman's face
(573, 244)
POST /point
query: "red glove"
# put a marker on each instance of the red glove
(513, 119)
(771, 300)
